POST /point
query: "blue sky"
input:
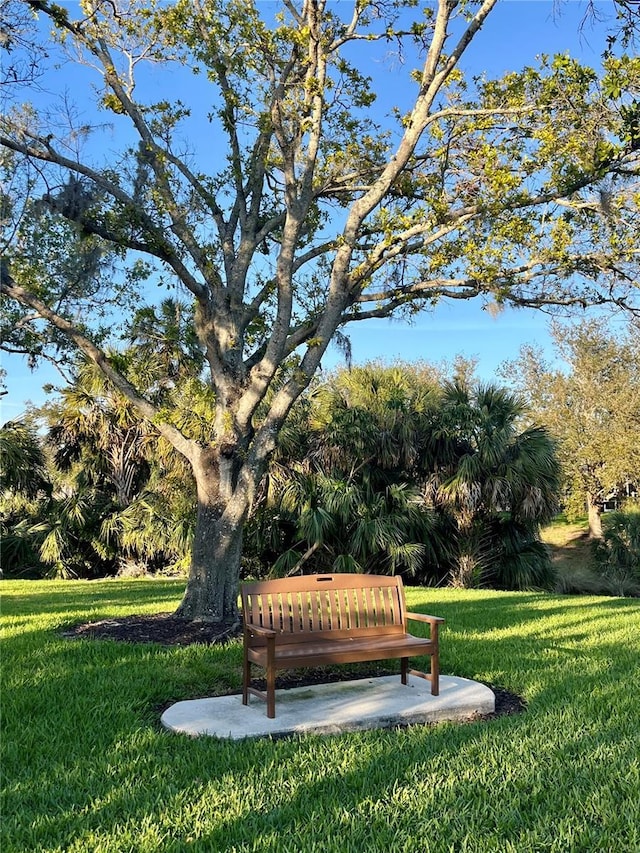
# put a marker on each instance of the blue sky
(515, 33)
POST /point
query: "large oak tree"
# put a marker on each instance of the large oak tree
(282, 201)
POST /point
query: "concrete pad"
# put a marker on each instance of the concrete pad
(368, 703)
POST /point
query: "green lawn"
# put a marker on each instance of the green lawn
(86, 766)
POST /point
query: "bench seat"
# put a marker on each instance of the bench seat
(349, 650)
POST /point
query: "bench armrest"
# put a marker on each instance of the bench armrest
(422, 617)
(249, 628)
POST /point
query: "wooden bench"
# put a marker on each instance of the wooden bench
(317, 620)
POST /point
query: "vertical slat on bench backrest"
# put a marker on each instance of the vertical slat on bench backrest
(298, 612)
(345, 609)
(340, 608)
(373, 599)
(361, 605)
(331, 609)
(393, 612)
(352, 603)
(395, 604)
(316, 621)
(288, 612)
(280, 612)
(386, 611)
(312, 605)
(333, 620)
(389, 611)
(283, 615)
(302, 606)
(257, 609)
(323, 604)
(337, 608)
(272, 611)
(354, 608)
(360, 608)
(268, 618)
(371, 607)
(398, 598)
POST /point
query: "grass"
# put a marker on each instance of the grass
(87, 767)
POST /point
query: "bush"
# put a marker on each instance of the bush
(619, 551)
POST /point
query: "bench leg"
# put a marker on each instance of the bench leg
(271, 692)
(435, 674)
(404, 670)
(246, 679)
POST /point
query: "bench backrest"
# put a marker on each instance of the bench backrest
(339, 604)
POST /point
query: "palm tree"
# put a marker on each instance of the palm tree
(391, 469)
(495, 482)
(25, 487)
(118, 493)
(340, 498)
(95, 432)
(341, 525)
(69, 536)
(22, 459)
(101, 447)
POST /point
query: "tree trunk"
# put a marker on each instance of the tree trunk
(211, 594)
(212, 589)
(595, 518)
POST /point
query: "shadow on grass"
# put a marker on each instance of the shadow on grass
(63, 596)
(579, 541)
(91, 770)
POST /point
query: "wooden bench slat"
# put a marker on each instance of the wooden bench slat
(381, 616)
(253, 602)
(294, 611)
(383, 607)
(332, 624)
(323, 604)
(334, 610)
(315, 611)
(338, 610)
(360, 607)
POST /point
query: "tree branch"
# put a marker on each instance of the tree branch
(10, 288)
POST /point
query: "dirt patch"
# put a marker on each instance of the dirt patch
(164, 629)
(161, 628)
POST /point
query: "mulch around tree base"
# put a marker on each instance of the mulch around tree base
(164, 629)
(161, 628)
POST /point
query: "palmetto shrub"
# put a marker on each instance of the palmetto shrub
(389, 471)
(619, 550)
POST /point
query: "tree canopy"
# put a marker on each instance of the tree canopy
(590, 402)
(276, 197)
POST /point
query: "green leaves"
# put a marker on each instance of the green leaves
(591, 405)
(398, 471)
(23, 459)
(630, 114)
